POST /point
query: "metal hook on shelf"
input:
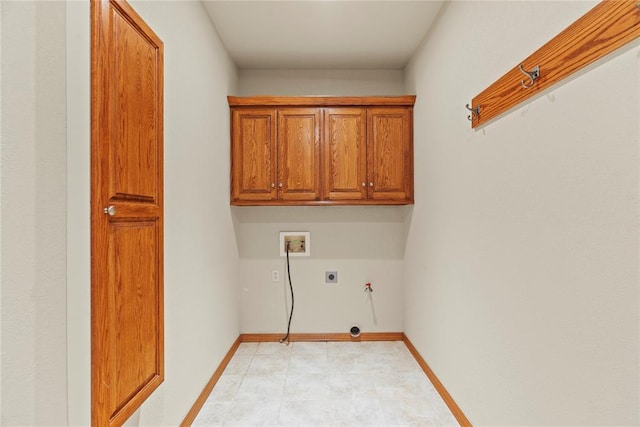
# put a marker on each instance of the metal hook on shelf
(532, 75)
(475, 112)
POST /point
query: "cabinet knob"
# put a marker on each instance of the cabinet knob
(364, 184)
(273, 185)
(371, 184)
(280, 185)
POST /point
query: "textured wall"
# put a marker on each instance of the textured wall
(363, 244)
(33, 214)
(521, 281)
(320, 82)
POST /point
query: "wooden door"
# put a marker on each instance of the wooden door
(127, 335)
(253, 155)
(389, 155)
(299, 153)
(345, 154)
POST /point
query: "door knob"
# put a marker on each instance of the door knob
(111, 210)
(371, 184)
(280, 185)
(364, 184)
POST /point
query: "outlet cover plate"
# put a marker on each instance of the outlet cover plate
(331, 277)
(299, 243)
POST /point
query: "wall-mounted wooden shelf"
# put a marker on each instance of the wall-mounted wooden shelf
(608, 26)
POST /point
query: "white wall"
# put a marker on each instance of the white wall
(363, 244)
(320, 82)
(201, 261)
(0, 214)
(521, 283)
(33, 214)
(78, 214)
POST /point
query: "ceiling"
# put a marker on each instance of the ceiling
(322, 34)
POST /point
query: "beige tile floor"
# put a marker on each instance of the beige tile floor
(324, 384)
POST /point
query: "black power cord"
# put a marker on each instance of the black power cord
(286, 337)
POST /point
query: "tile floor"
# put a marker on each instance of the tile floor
(324, 384)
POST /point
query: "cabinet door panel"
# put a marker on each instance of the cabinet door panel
(345, 154)
(299, 154)
(390, 163)
(253, 155)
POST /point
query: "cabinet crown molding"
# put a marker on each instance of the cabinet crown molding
(321, 101)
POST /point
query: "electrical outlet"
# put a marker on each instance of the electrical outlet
(331, 277)
(275, 276)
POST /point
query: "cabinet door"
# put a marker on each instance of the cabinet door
(389, 155)
(345, 154)
(253, 156)
(299, 154)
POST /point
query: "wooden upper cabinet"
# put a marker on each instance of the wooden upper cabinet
(390, 154)
(322, 150)
(345, 154)
(299, 154)
(253, 154)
